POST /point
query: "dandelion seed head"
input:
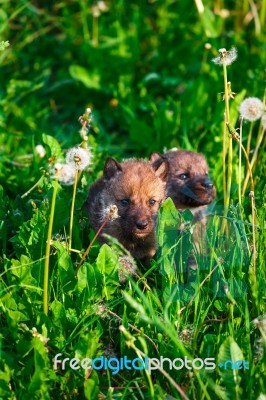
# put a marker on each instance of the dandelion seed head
(86, 118)
(226, 57)
(222, 52)
(260, 323)
(40, 150)
(226, 288)
(99, 8)
(256, 322)
(102, 6)
(127, 267)
(64, 173)
(102, 310)
(251, 108)
(262, 396)
(78, 158)
(111, 212)
(35, 333)
(186, 334)
(95, 11)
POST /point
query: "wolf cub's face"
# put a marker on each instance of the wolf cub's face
(189, 184)
(137, 188)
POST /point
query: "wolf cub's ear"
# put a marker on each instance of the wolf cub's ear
(160, 165)
(111, 168)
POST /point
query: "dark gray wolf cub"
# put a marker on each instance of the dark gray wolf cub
(190, 187)
(188, 182)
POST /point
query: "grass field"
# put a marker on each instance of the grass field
(145, 70)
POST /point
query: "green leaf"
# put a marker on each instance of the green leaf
(168, 223)
(32, 234)
(89, 79)
(91, 389)
(22, 269)
(209, 23)
(65, 267)
(229, 350)
(137, 306)
(167, 235)
(88, 345)
(43, 373)
(54, 146)
(59, 315)
(16, 317)
(107, 263)
(89, 282)
(4, 45)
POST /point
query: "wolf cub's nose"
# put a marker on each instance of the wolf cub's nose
(141, 224)
(207, 184)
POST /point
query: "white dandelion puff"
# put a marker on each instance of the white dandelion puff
(85, 121)
(262, 396)
(111, 212)
(40, 150)
(127, 268)
(102, 6)
(251, 108)
(226, 57)
(35, 333)
(78, 158)
(64, 173)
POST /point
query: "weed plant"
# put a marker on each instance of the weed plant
(144, 75)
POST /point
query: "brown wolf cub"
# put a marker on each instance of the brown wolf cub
(137, 188)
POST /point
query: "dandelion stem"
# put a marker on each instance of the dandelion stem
(47, 252)
(228, 179)
(226, 94)
(249, 138)
(253, 215)
(235, 136)
(253, 160)
(224, 158)
(255, 17)
(200, 6)
(33, 187)
(93, 240)
(240, 163)
(72, 209)
(95, 32)
(263, 13)
(86, 33)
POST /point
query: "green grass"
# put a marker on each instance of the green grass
(145, 70)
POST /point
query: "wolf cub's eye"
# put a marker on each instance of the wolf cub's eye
(183, 177)
(124, 202)
(152, 202)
